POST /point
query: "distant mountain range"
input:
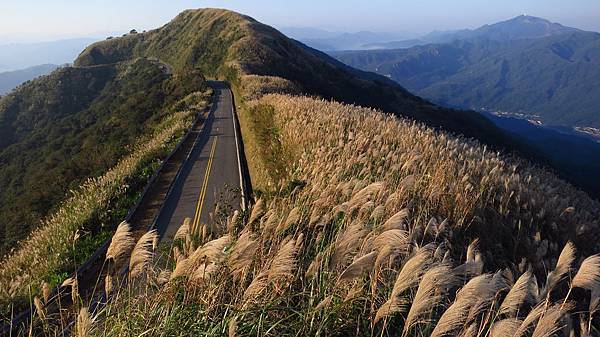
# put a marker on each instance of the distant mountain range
(519, 28)
(17, 56)
(330, 41)
(11, 79)
(527, 67)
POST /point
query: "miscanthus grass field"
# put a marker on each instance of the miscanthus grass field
(368, 225)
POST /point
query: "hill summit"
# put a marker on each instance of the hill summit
(227, 44)
(521, 27)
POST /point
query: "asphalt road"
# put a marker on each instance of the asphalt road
(210, 176)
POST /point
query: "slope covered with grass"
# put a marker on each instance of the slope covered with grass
(373, 225)
(73, 124)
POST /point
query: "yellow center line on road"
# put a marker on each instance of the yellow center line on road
(200, 204)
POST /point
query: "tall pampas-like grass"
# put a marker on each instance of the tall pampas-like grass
(258, 210)
(347, 244)
(357, 267)
(279, 269)
(474, 297)
(284, 262)
(183, 230)
(242, 255)
(413, 270)
(432, 290)
(550, 322)
(121, 243)
(84, 323)
(563, 267)
(292, 218)
(211, 252)
(532, 317)
(142, 254)
(39, 308)
(520, 293)
(505, 328)
(396, 221)
(588, 275)
(409, 276)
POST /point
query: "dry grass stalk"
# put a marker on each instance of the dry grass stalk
(396, 221)
(256, 287)
(588, 276)
(84, 323)
(232, 330)
(182, 268)
(563, 267)
(550, 323)
(473, 250)
(432, 290)
(292, 218)
(395, 238)
(347, 244)
(258, 210)
(108, 285)
(212, 252)
(471, 331)
(324, 303)
(315, 265)
(232, 222)
(531, 318)
(522, 292)
(121, 244)
(505, 328)
(39, 308)
(142, 254)
(474, 297)
(74, 284)
(389, 308)
(360, 265)
(242, 255)
(183, 230)
(46, 292)
(413, 270)
(283, 264)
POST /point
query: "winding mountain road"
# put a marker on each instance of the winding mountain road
(211, 175)
(206, 169)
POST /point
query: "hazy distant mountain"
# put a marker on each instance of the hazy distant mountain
(11, 79)
(553, 77)
(20, 56)
(518, 28)
(326, 40)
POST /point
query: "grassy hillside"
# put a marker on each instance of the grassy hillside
(90, 212)
(551, 79)
(73, 124)
(419, 233)
(228, 44)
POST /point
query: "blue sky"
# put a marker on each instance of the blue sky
(43, 19)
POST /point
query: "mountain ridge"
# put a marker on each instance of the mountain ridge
(238, 44)
(550, 76)
(521, 27)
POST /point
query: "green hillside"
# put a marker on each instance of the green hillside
(552, 79)
(225, 43)
(73, 124)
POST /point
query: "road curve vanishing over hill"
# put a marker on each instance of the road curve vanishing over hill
(213, 173)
